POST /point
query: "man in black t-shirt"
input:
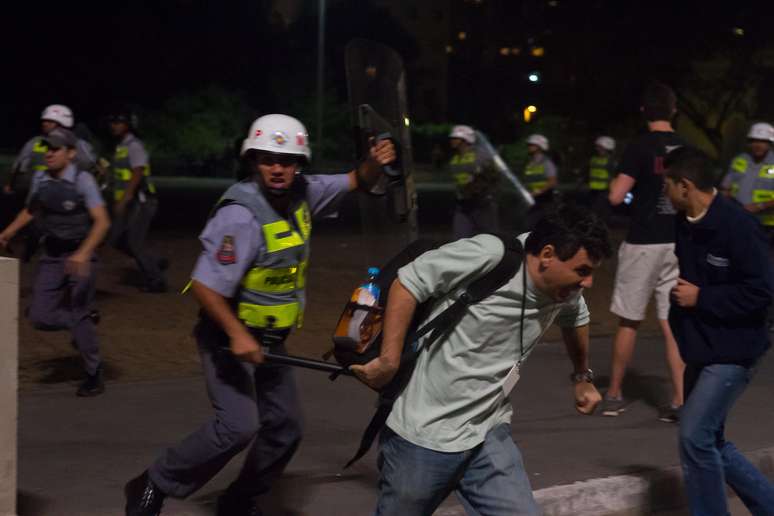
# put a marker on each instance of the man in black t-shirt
(647, 265)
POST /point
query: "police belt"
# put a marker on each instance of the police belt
(268, 338)
(58, 246)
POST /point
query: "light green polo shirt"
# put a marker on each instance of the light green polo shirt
(454, 396)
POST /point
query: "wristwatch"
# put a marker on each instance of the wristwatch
(583, 376)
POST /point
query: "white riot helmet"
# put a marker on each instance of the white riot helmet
(539, 140)
(59, 114)
(463, 132)
(281, 134)
(606, 143)
(761, 131)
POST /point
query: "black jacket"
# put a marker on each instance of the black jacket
(726, 255)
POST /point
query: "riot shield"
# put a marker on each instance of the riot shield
(515, 199)
(376, 82)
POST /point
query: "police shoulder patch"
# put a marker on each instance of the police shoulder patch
(226, 254)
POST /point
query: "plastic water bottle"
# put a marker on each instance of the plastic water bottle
(368, 292)
(366, 295)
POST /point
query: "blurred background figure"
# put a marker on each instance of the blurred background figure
(539, 176)
(476, 182)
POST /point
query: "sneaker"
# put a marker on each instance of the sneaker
(94, 385)
(669, 414)
(143, 497)
(613, 406)
(230, 505)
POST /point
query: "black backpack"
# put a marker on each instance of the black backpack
(440, 325)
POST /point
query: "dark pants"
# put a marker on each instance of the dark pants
(251, 403)
(709, 461)
(63, 302)
(128, 235)
(473, 218)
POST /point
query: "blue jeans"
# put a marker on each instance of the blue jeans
(708, 460)
(489, 479)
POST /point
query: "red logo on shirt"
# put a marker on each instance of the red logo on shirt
(227, 252)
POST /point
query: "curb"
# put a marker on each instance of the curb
(631, 495)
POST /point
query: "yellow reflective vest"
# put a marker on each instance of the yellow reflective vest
(122, 172)
(599, 173)
(271, 294)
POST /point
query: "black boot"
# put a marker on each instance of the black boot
(143, 497)
(231, 505)
(94, 385)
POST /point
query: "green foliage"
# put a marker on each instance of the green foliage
(197, 126)
(337, 144)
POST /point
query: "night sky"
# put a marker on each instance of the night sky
(598, 54)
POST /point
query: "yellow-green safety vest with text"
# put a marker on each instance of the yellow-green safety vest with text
(599, 173)
(122, 173)
(271, 293)
(38, 157)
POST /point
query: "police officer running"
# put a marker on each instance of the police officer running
(475, 179)
(249, 281)
(32, 158)
(134, 201)
(73, 220)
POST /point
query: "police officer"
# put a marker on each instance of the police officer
(31, 158)
(601, 167)
(249, 281)
(134, 201)
(540, 176)
(476, 180)
(750, 178)
(73, 220)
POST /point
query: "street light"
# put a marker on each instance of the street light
(534, 77)
(529, 112)
(320, 78)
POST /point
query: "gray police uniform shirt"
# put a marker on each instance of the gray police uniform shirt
(85, 184)
(455, 394)
(323, 194)
(138, 156)
(85, 157)
(548, 165)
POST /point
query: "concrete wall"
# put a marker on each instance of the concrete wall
(9, 357)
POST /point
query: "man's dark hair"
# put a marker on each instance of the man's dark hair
(691, 164)
(658, 102)
(568, 228)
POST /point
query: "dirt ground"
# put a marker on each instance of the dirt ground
(148, 336)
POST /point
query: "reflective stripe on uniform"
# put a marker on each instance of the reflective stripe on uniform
(280, 235)
(767, 219)
(598, 185)
(271, 280)
(739, 165)
(262, 316)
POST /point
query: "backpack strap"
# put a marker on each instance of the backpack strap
(480, 289)
(476, 292)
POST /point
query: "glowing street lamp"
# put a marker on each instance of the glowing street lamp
(529, 112)
(534, 77)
